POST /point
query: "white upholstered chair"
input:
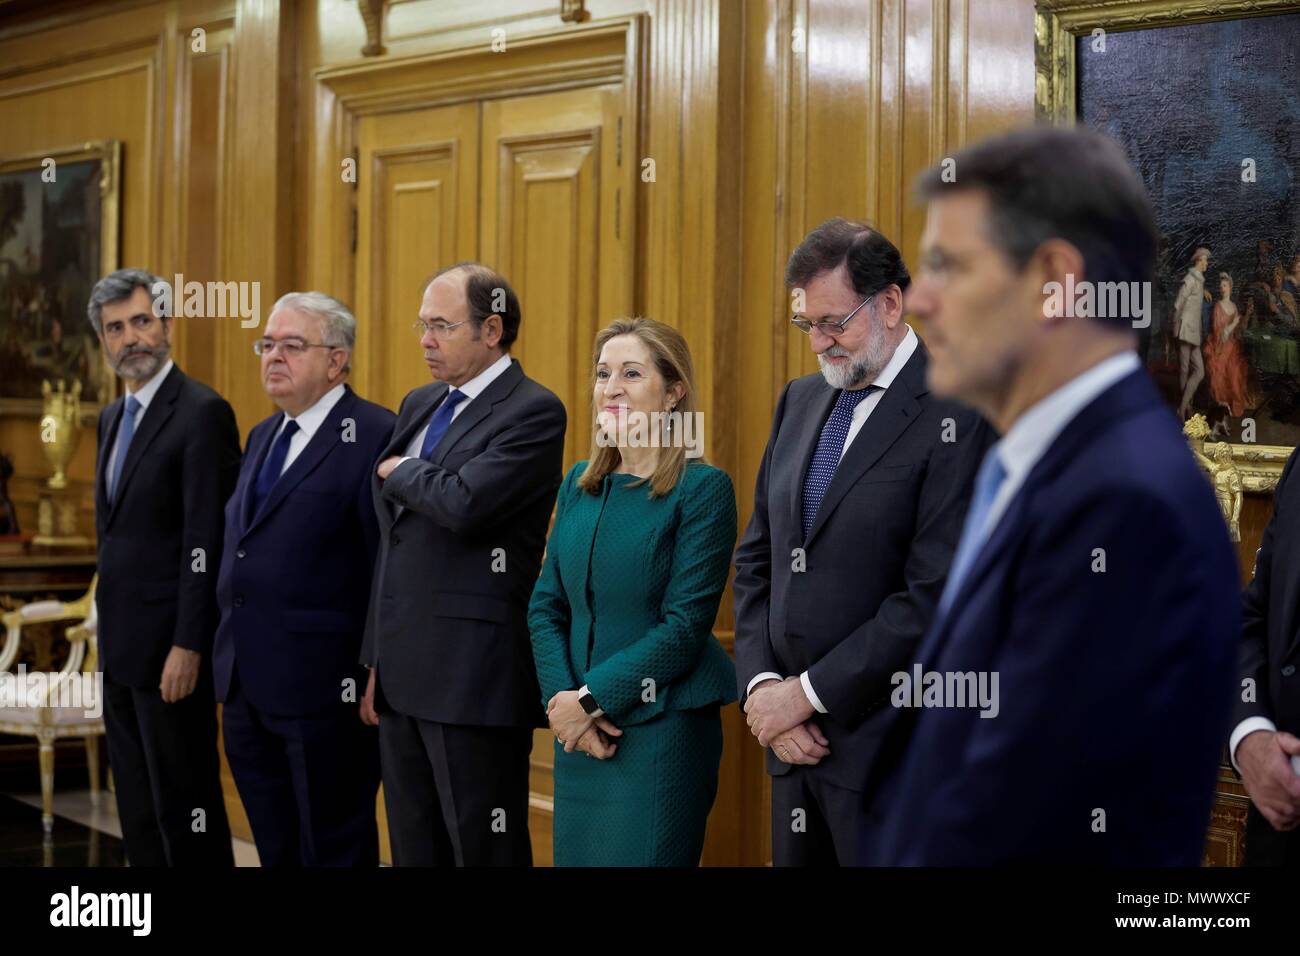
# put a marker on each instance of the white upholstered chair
(37, 704)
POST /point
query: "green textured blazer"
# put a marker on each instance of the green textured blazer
(629, 591)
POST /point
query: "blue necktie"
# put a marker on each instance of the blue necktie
(987, 482)
(830, 447)
(274, 464)
(441, 421)
(125, 432)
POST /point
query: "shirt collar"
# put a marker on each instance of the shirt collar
(901, 356)
(476, 385)
(312, 419)
(145, 393)
(1028, 439)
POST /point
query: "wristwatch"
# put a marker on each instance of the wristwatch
(589, 703)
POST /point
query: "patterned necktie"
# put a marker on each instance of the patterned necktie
(830, 447)
(125, 432)
(991, 475)
(274, 464)
(441, 421)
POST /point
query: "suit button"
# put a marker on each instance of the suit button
(239, 601)
(241, 553)
(395, 540)
(1288, 670)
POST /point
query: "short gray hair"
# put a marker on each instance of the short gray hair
(338, 324)
(117, 287)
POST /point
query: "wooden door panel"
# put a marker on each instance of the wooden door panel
(556, 225)
(417, 209)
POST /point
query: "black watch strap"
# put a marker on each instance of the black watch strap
(589, 704)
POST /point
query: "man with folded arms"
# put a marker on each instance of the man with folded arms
(464, 493)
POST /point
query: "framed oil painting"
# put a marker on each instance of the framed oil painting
(58, 234)
(1205, 98)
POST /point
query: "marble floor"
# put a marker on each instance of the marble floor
(86, 832)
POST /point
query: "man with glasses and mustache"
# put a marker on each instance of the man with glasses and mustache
(858, 507)
(167, 460)
(294, 587)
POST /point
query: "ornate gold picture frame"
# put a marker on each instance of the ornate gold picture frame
(59, 226)
(1062, 29)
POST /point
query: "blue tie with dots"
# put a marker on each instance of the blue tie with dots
(830, 446)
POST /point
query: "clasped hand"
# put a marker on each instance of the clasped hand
(779, 715)
(577, 730)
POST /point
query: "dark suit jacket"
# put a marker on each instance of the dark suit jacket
(876, 558)
(447, 629)
(160, 541)
(1271, 619)
(295, 579)
(1114, 685)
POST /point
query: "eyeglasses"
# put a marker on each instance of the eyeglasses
(289, 348)
(829, 328)
(437, 329)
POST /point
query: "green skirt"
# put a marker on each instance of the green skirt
(648, 804)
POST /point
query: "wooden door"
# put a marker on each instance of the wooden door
(417, 212)
(557, 223)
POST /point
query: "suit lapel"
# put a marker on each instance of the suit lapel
(814, 417)
(896, 410)
(1010, 529)
(151, 423)
(309, 459)
(105, 453)
(255, 456)
(478, 409)
(1129, 396)
(417, 419)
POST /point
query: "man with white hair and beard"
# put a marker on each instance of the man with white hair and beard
(858, 508)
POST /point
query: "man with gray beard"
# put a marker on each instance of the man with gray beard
(168, 459)
(859, 505)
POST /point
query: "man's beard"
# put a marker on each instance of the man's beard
(863, 369)
(140, 371)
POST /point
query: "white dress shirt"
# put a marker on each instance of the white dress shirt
(861, 412)
(309, 422)
(472, 390)
(144, 395)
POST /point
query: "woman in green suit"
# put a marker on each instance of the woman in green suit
(621, 619)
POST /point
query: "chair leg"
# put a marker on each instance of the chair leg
(47, 782)
(92, 765)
